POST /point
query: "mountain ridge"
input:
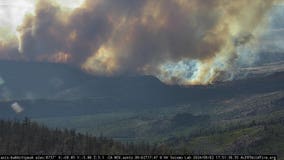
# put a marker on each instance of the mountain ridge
(60, 86)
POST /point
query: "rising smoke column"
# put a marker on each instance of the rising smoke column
(143, 37)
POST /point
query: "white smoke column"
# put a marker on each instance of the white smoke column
(16, 107)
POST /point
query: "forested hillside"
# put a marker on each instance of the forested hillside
(26, 137)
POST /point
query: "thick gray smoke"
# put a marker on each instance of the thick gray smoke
(142, 37)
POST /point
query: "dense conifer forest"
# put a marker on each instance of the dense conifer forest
(27, 137)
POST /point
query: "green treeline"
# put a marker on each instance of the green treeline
(27, 137)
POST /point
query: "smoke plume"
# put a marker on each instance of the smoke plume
(179, 41)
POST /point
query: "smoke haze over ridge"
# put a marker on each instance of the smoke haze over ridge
(181, 41)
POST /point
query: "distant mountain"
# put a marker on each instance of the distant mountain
(37, 80)
(46, 88)
(234, 117)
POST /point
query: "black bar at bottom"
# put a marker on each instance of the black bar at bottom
(138, 157)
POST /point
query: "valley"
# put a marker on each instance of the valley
(219, 118)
